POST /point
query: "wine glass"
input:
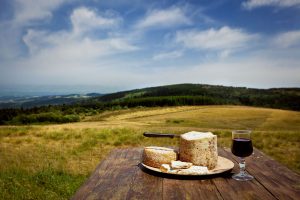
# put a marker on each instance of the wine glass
(242, 147)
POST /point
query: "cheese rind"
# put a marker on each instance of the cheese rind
(199, 148)
(156, 156)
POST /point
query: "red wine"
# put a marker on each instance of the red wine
(241, 147)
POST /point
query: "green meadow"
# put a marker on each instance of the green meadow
(52, 161)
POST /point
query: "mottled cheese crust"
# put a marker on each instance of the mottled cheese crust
(199, 148)
(156, 156)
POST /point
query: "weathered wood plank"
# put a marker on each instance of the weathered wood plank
(145, 186)
(189, 189)
(112, 179)
(86, 188)
(119, 177)
(116, 180)
(232, 189)
(276, 178)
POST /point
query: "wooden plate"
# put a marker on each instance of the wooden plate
(223, 165)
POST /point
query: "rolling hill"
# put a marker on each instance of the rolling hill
(202, 94)
(72, 108)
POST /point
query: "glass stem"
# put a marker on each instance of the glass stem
(242, 165)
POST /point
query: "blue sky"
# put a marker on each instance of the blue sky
(124, 44)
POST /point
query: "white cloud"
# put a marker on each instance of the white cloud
(30, 10)
(173, 16)
(225, 53)
(35, 40)
(250, 72)
(253, 71)
(251, 4)
(77, 49)
(287, 39)
(68, 55)
(167, 55)
(92, 51)
(84, 19)
(25, 13)
(9, 41)
(79, 63)
(76, 44)
(224, 39)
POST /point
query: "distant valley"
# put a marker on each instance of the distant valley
(37, 101)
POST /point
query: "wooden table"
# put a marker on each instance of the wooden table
(120, 176)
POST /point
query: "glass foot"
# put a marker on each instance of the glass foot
(242, 177)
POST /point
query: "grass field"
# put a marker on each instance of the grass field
(52, 161)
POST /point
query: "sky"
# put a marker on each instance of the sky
(106, 46)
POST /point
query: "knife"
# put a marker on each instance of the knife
(152, 134)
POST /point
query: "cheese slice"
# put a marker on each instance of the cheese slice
(180, 165)
(165, 168)
(194, 170)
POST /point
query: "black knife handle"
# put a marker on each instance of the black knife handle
(150, 134)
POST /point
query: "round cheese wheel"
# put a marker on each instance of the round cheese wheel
(156, 156)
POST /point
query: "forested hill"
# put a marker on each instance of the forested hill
(170, 95)
(201, 94)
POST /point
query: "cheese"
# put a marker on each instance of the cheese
(156, 156)
(199, 148)
(194, 170)
(180, 165)
(165, 168)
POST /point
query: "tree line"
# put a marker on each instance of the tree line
(174, 95)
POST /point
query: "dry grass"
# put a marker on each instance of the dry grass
(49, 159)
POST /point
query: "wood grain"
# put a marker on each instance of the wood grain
(86, 188)
(145, 186)
(276, 178)
(112, 179)
(189, 189)
(232, 189)
(120, 176)
(116, 180)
